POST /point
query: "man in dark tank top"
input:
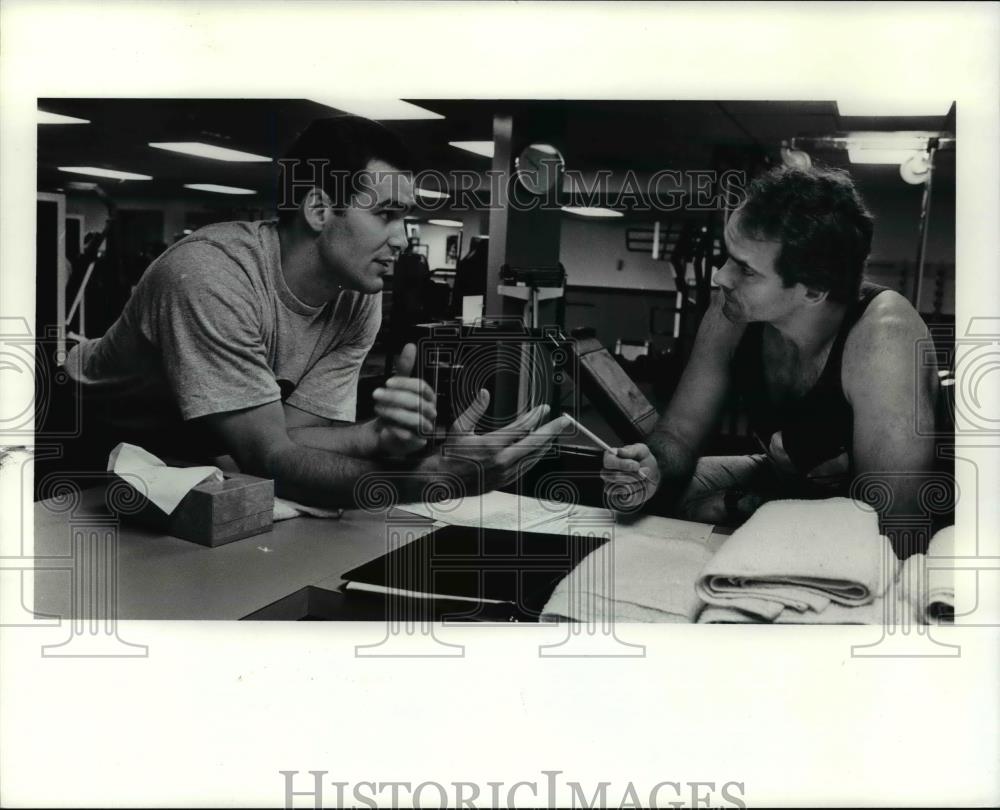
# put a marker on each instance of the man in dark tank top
(825, 365)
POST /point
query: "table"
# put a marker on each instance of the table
(84, 555)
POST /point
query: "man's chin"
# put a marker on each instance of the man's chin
(365, 286)
(732, 313)
(374, 285)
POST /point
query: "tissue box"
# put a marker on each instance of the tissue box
(216, 512)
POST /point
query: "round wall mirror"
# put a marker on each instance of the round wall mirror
(539, 167)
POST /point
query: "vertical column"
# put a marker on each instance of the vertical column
(524, 232)
(503, 161)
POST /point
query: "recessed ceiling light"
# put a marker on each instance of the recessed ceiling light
(448, 223)
(114, 174)
(219, 189)
(430, 193)
(380, 109)
(894, 107)
(42, 117)
(206, 150)
(591, 211)
(484, 148)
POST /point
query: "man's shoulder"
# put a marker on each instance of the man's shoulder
(889, 316)
(237, 240)
(227, 254)
(886, 333)
(236, 232)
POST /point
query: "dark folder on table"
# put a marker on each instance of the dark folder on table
(478, 572)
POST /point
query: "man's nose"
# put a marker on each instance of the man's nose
(397, 236)
(724, 276)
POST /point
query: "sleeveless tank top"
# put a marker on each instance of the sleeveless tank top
(818, 425)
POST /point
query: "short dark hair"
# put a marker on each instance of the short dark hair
(345, 145)
(823, 225)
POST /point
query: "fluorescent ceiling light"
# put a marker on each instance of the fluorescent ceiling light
(902, 139)
(484, 148)
(206, 150)
(894, 107)
(448, 223)
(431, 194)
(591, 211)
(219, 189)
(896, 156)
(114, 174)
(380, 109)
(42, 117)
(885, 147)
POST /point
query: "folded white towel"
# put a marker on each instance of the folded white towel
(872, 613)
(895, 606)
(801, 555)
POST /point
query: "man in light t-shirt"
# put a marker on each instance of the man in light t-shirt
(247, 338)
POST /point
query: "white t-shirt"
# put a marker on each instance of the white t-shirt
(212, 327)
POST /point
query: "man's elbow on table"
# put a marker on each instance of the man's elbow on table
(257, 438)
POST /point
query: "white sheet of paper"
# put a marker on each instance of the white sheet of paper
(164, 486)
(655, 527)
(500, 510)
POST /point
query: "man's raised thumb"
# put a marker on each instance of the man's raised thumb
(403, 364)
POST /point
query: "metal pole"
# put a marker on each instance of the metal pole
(925, 214)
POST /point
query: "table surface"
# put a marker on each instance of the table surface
(163, 577)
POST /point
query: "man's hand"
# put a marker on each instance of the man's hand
(405, 409)
(633, 471)
(489, 460)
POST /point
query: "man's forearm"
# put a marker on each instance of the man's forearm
(357, 441)
(325, 478)
(676, 462)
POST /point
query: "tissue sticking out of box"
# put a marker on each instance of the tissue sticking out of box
(162, 485)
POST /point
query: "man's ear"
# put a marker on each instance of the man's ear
(815, 296)
(316, 209)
